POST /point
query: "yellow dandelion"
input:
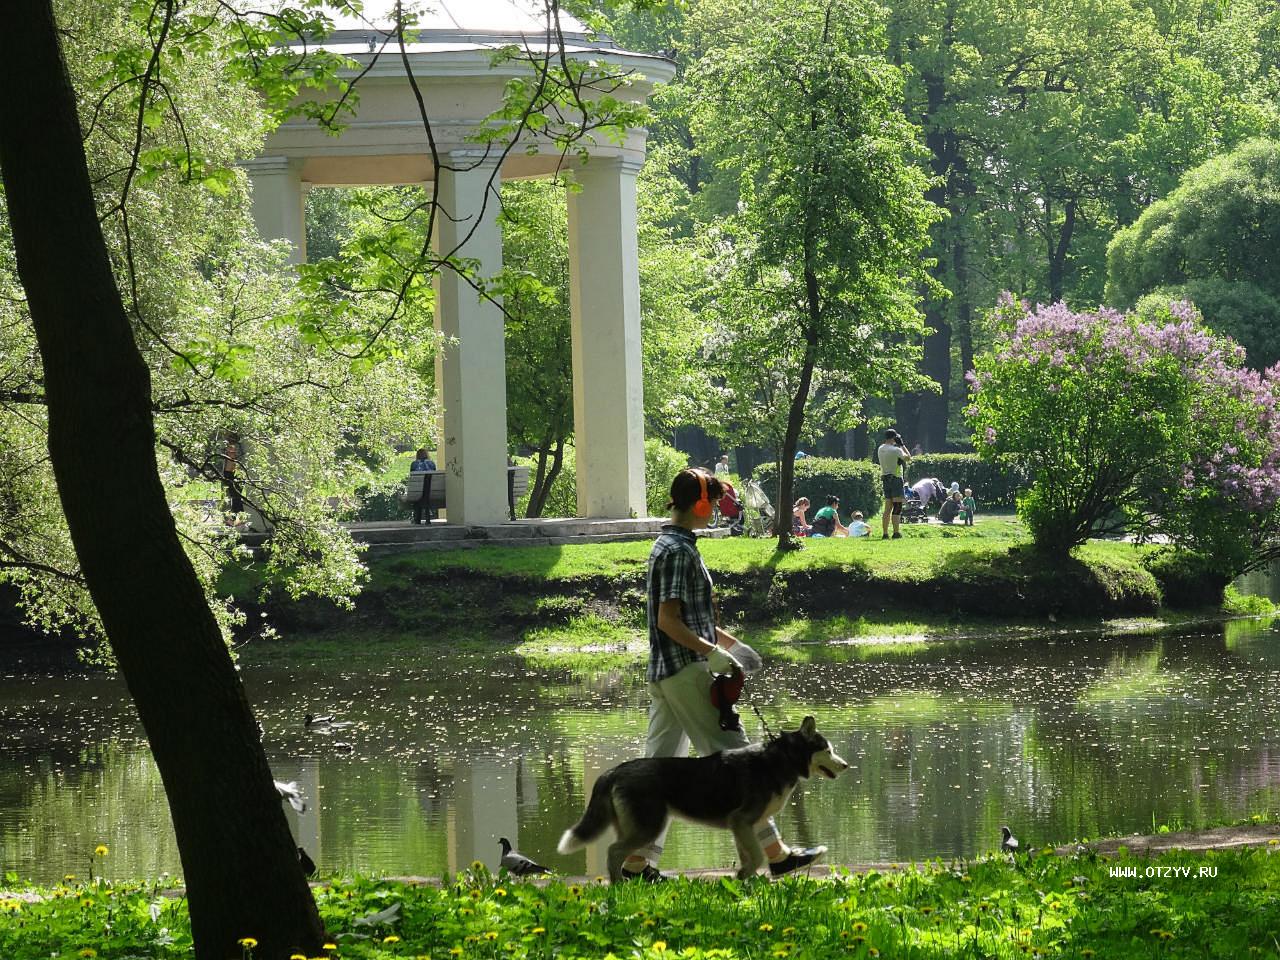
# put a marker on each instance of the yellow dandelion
(499, 892)
(537, 931)
(659, 946)
(297, 956)
(766, 927)
(466, 911)
(788, 931)
(477, 865)
(926, 910)
(475, 894)
(858, 941)
(780, 951)
(68, 878)
(1272, 843)
(455, 951)
(984, 906)
(100, 850)
(1165, 935)
(491, 934)
(731, 932)
(937, 921)
(575, 890)
(599, 879)
(391, 938)
(247, 942)
(87, 902)
(88, 952)
(859, 927)
(328, 946)
(844, 934)
(650, 923)
(872, 952)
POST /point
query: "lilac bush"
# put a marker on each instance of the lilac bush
(1145, 426)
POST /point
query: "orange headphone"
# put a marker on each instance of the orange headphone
(703, 506)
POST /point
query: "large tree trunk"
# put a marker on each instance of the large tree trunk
(240, 864)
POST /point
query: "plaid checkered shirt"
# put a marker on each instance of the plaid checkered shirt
(676, 572)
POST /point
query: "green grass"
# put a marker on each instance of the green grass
(1046, 906)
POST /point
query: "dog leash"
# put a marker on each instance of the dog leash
(768, 734)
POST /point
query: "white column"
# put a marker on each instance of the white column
(604, 301)
(279, 202)
(471, 375)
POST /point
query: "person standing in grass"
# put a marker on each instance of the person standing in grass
(893, 456)
(970, 507)
(686, 646)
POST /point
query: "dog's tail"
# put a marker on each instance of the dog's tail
(595, 819)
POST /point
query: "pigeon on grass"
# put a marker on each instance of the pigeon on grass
(516, 863)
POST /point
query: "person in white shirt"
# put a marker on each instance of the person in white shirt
(857, 526)
(722, 466)
(893, 455)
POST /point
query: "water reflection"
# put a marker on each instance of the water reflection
(1060, 737)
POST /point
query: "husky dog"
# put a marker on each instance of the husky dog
(732, 789)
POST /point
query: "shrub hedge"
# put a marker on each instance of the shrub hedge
(855, 482)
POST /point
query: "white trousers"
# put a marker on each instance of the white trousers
(680, 713)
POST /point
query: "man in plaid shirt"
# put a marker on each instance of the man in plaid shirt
(685, 646)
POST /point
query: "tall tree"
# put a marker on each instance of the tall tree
(1215, 241)
(821, 263)
(239, 859)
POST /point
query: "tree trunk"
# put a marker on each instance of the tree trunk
(1058, 248)
(240, 863)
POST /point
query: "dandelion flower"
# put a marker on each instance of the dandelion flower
(100, 850)
(477, 865)
(68, 878)
(926, 910)
(475, 894)
(329, 946)
(788, 931)
(491, 934)
(297, 956)
(455, 951)
(659, 946)
(391, 938)
(766, 927)
(859, 927)
(247, 942)
(88, 953)
(872, 952)
(575, 890)
(499, 892)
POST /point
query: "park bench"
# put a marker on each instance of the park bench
(415, 483)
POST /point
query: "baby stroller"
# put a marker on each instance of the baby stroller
(913, 510)
(757, 511)
(727, 511)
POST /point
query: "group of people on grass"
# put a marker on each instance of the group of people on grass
(893, 456)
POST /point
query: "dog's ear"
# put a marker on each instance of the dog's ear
(808, 726)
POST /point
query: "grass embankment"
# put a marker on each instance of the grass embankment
(933, 581)
(1176, 905)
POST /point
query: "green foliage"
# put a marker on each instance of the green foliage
(855, 482)
(661, 463)
(1187, 579)
(1048, 905)
(1215, 241)
(995, 483)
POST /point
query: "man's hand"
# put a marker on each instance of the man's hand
(720, 660)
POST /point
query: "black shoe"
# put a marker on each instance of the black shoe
(884, 536)
(795, 860)
(897, 536)
(650, 874)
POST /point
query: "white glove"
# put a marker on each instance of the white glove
(720, 660)
(747, 656)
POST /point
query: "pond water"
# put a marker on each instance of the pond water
(1060, 736)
